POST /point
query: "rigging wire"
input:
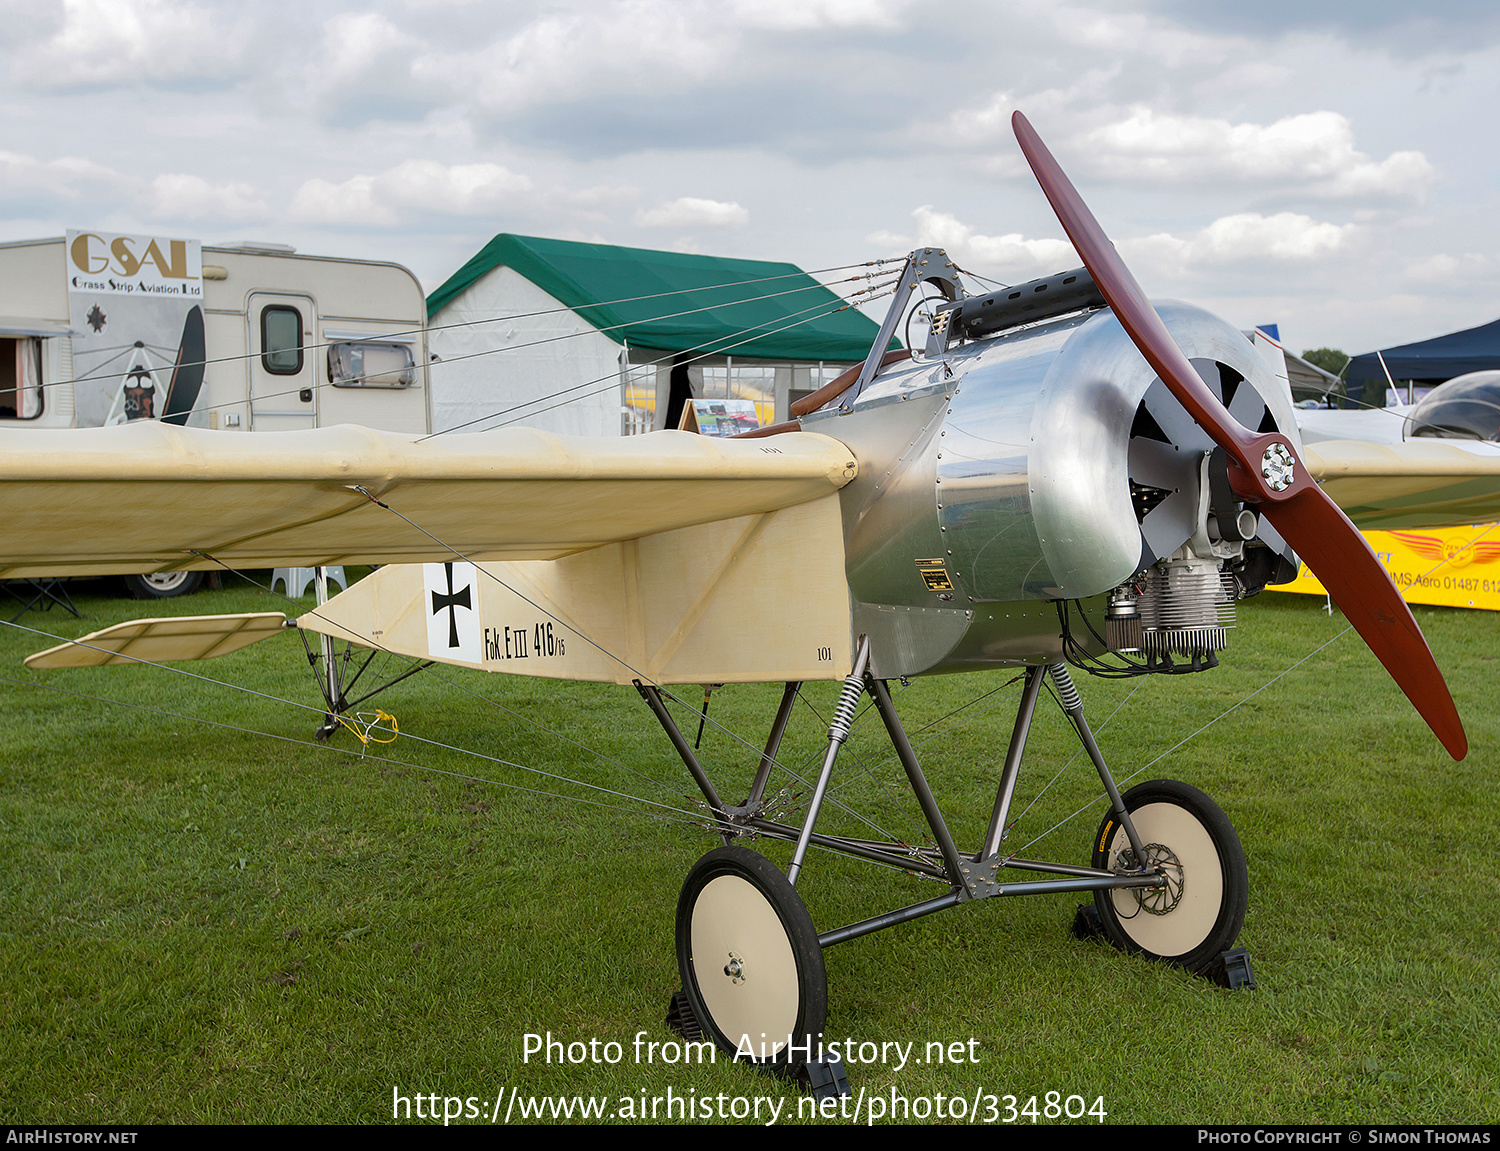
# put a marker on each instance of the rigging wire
(1097, 729)
(710, 347)
(891, 758)
(982, 279)
(1210, 723)
(442, 672)
(1193, 735)
(612, 385)
(404, 333)
(642, 676)
(1062, 608)
(683, 817)
(814, 759)
(320, 712)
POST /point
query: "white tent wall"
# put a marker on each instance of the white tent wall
(488, 371)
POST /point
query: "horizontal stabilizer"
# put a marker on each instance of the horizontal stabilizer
(163, 640)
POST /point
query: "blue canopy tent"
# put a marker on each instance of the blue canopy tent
(1428, 361)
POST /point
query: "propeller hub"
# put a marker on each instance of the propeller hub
(1276, 467)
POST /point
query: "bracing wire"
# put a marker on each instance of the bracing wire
(637, 673)
(319, 711)
(1191, 736)
(1062, 609)
(688, 818)
(711, 347)
(733, 735)
(404, 333)
(446, 675)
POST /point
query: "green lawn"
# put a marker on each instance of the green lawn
(202, 923)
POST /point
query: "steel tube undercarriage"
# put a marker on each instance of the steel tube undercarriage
(970, 875)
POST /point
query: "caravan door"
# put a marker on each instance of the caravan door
(283, 362)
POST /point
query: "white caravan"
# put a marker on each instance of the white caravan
(98, 328)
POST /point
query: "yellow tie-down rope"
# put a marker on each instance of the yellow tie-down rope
(366, 723)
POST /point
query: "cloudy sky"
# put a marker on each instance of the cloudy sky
(1326, 165)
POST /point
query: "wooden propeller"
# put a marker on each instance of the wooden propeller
(1264, 468)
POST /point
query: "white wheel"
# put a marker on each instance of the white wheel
(749, 957)
(1200, 911)
(162, 585)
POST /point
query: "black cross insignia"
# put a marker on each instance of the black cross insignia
(451, 601)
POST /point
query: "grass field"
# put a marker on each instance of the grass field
(201, 923)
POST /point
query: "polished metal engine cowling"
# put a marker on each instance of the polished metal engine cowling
(1012, 471)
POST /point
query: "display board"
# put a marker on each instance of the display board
(135, 304)
(1444, 567)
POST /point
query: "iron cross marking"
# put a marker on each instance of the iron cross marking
(452, 601)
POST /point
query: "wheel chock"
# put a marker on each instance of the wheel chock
(1086, 922)
(1232, 970)
(680, 1018)
(824, 1078)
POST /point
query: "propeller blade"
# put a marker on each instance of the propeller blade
(1263, 468)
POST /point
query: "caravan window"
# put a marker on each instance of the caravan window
(21, 378)
(281, 340)
(368, 364)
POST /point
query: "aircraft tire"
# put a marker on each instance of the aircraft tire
(1200, 912)
(749, 958)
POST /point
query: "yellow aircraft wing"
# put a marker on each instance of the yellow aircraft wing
(154, 497)
(1423, 483)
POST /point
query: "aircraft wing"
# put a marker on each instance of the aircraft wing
(1426, 483)
(153, 497)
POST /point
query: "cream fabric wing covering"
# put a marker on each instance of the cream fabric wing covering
(153, 497)
(1424, 483)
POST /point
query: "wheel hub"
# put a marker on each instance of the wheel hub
(1161, 900)
(735, 968)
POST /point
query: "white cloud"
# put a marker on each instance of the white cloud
(1313, 152)
(691, 212)
(353, 202)
(1012, 256)
(25, 20)
(67, 178)
(1245, 237)
(1238, 80)
(181, 196)
(364, 70)
(1441, 268)
(1133, 34)
(124, 43)
(641, 47)
(415, 187)
(808, 15)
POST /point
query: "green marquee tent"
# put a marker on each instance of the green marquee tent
(677, 302)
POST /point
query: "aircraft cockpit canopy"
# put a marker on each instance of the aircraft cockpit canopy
(1465, 408)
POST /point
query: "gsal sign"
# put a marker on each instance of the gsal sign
(129, 265)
